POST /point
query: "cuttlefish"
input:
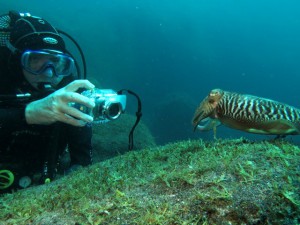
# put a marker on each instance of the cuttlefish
(247, 113)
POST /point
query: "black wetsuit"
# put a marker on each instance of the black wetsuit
(29, 149)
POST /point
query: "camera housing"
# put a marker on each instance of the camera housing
(109, 105)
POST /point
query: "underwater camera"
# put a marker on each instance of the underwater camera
(109, 105)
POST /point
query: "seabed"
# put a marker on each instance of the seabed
(190, 182)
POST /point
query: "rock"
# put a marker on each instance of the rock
(111, 139)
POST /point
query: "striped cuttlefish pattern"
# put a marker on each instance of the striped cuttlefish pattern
(249, 113)
(253, 108)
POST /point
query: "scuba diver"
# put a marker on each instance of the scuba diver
(38, 81)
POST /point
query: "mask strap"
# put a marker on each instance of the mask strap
(11, 47)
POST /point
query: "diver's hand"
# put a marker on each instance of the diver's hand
(55, 107)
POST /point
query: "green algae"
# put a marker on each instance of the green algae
(190, 182)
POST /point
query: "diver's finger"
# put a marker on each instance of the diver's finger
(75, 113)
(72, 121)
(75, 85)
(78, 98)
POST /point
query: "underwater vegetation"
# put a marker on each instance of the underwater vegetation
(189, 182)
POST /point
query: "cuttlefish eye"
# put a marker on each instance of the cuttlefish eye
(215, 92)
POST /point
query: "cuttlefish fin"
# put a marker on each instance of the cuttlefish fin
(280, 127)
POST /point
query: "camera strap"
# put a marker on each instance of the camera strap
(138, 116)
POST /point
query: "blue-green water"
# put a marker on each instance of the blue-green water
(172, 53)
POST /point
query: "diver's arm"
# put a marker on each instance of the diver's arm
(12, 118)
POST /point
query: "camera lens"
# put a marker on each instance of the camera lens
(113, 111)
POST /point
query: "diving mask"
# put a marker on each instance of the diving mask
(37, 62)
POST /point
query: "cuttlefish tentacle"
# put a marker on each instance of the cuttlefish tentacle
(249, 113)
(207, 107)
(209, 124)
